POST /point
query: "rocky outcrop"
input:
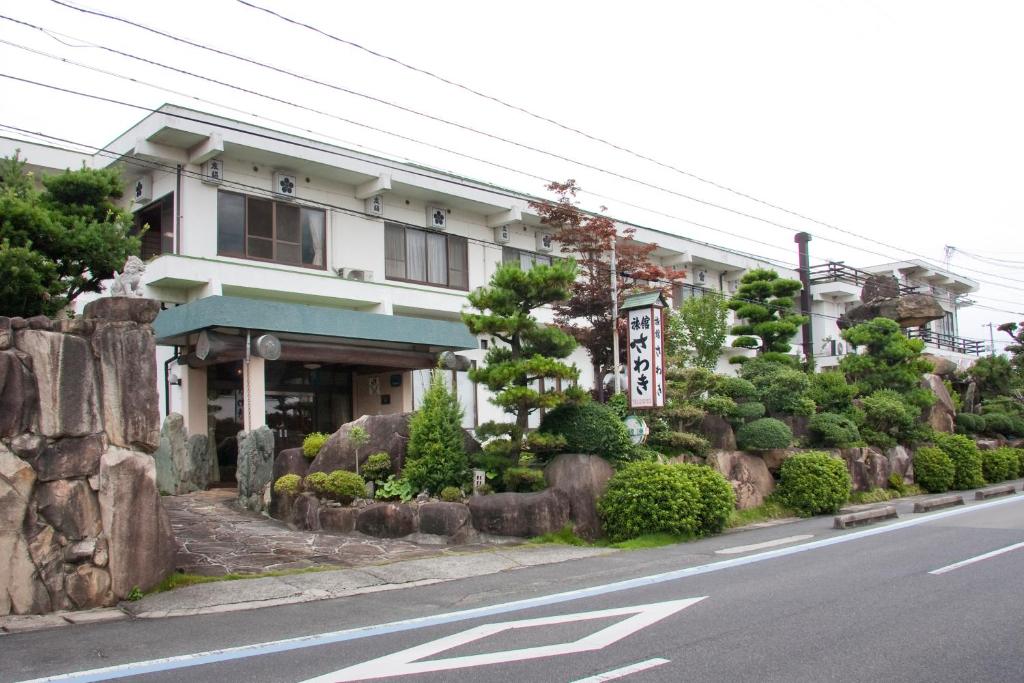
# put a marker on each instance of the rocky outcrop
(719, 433)
(747, 474)
(19, 396)
(198, 455)
(869, 468)
(66, 382)
(521, 514)
(255, 468)
(941, 416)
(122, 309)
(908, 310)
(342, 520)
(182, 461)
(584, 479)
(943, 367)
(70, 507)
(900, 463)
(127, 364)
(443, 519)
(387, 520)
(290, 461)
(65, 459)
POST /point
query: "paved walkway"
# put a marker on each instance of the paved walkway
(217, 537)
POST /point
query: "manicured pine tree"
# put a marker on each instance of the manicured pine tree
(764, 302)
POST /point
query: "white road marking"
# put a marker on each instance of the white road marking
(735, 550)
(185, 661)
(405, 662)
(624, 671)
(977, 558)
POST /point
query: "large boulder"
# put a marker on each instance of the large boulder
(170, 455)
(255, 467)
(900, 463)
(584, 479)
(386, 520)
(521, 514)
(290, 461)
(909, 310)
(17, 478)
(19, 395)
(64, 369)
(388, 434)
(869, 468)
(89, 586)
(71, 507)
(747, 474)
(944, 367)
(122, 309)
(941, 416)
(196, 474)
(718, 432)
(21, 592)
(774, 458)
(140, 543)
(305, 513)
(68, 458)
(49, 558)
(443, 519)
(127, 365)
(340, 519)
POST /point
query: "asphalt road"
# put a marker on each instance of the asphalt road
(887, 602)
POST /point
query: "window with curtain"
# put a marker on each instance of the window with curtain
(525, 259)
(262, 229)
(431, 258)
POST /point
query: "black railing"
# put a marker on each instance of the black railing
(834, 271)
(971, 347)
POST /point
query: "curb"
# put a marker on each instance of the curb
(993, 491)
(865, 517)
(938, 503)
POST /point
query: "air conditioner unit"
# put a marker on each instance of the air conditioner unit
(503, 234)
(437, 217)
(545, 242)
(357, 274)
(143, 190)
(213, 172)
(375, 205)
(284, 185)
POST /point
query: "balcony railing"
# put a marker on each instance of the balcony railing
(834, 271)
(969, 347)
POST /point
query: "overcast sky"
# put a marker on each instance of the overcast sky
(898, 122)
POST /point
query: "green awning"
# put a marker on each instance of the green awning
(173, 325)
(644, 299)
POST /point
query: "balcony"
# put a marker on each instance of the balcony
(947, 342)
(838, 272)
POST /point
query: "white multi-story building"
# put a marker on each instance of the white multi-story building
(358, 265)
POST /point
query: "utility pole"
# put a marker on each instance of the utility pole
(615, 319)
(991, 338)
(802, 239)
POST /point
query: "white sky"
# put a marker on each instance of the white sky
(898, 121)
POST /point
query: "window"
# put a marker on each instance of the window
(250, 227)
(525, 259)
(432, 258)
(158, 220)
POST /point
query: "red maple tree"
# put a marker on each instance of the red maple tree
(587, 314)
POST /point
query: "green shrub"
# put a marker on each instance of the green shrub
(719, 405)
(764, 434)
(999, 464)
(831, 392)
(1020, 461)
(780, 388)
(897, 484)
(999, 424)
(747, 412)
(436, 454)
(677, 443)
(833, 431)
(717, 500)
(814, 483)
(644, 453)
(619, 404)
(288, 483)
(933, 469)
(451, 494)
(1017, 426)
(312, 444)
(377, 466)
(395, 488)
(888, 419)
(969, 423)
(317, 482)
(523, 479)
(588, 427)
(966, 460)
(738, 389)
(343, 486)
(647, 498)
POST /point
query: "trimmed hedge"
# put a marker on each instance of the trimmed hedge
(833, 431)
(288, 483)
(969, 423)
(343, 486)
(589, 427)
(717, 500)
(647, 498)
(966, 460)
(814, 483)
(745, 412)
(524, 479)
(999, 424)
(763, 435)
(933, 469)
(1000, 464)
(312, 444)
(317, 482)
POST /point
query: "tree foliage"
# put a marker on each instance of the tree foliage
(528, 350)
(436, 454)
(60, 242)
(587, 313)
(890, 361)
(764, 303)
(697, 330)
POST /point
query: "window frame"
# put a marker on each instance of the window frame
(520, 253)
(275, 206)
(448, 270)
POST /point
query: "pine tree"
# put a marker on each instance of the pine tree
(436, 454)
(764, 302)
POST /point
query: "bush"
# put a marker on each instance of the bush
(312, 444)
(523, 479)
(288, 484)
(969, 423)
(831, 392)
(933, 469)
(436, 454)
(619, 404)
(764, 434)
(814, 483)
(966, 460)
(343, 486)
(999, 464)
(377, 466)
(998, 424)
(317, 482)
(782, 389)
(588, 427)
(1020, 463)
(888, 419)
(719, 405)
(717, 500)
(736, 388)
(642, 453)
(833, 431)
(746, 412)
(897, 484)
(451, 494)
(395, 487)
(676, 443)
(647, 498)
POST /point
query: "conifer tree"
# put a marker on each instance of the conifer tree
(764, 302)
(436, 454)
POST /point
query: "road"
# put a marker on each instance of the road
(933, 597)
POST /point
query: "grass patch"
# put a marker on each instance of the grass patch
(769, 509)
(651, 541)
(564, 536)
(181, 580)
(882, 495)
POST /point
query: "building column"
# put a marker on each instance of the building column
(194, 400)
(253, 393)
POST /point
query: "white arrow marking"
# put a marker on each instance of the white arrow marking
(405, 662)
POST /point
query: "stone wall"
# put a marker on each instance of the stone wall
(81, 521)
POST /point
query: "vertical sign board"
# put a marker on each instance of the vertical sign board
(646, 366)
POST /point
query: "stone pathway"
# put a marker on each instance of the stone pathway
(217, 537)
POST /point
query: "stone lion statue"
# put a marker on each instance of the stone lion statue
(129, 281)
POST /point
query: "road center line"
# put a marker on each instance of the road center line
(976, 558)
(624, 671)
(289, 644)
(735, 550)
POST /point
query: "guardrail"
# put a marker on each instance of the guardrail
(837, 271)
(970, 347)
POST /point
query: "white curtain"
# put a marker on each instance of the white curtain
(314, 222)
(437, 259)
